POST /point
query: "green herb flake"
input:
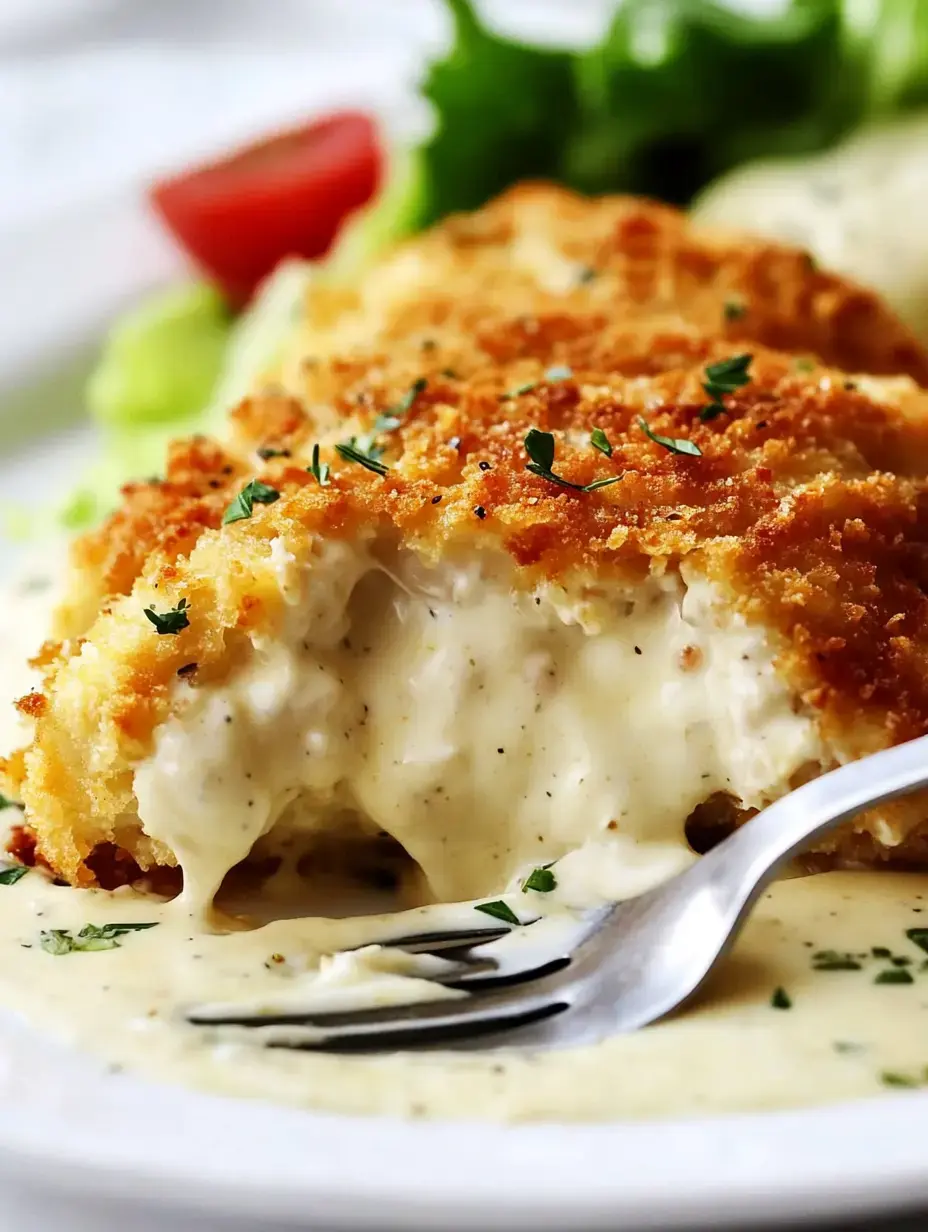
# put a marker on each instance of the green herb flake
(891, 1078)
(393, 419)
(6, 803)
(253, 493)
(499, 911)
(832, 960)
(171, 622)
(12, 873)
(673, 443)
(847, 1047)
(92, 937)
(559, 372)
(734, 310)
(319, 470)
(894, 975)
(725, 377)
(600, 441)
(541, 879)
(540, 448)
(804, 365)
(266, 452)
(780, 1000)
(367, 459)
(880, 951)
(919, 937)
(405, 404)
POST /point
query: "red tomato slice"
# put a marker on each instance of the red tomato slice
(285, 196)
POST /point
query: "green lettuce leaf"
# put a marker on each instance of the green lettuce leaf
(504, 112)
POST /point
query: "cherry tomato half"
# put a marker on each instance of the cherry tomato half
(238, 217)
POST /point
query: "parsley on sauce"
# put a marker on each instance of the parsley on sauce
(90, 938)
(541, 879)
(499, 911)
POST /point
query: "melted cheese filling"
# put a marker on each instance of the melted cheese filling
(483, 728)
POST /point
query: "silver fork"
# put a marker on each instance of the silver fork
(629, 963)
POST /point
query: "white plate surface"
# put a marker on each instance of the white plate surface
(66, 1124)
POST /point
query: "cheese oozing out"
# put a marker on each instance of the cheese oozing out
(482, 726)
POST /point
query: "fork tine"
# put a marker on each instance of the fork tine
(444, 939)
(394, 1026)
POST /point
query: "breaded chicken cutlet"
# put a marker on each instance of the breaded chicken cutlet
(539, 534)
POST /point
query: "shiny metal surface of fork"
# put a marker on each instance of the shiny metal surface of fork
(629, 963)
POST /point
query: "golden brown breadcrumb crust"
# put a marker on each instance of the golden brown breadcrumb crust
(541, 275)
(806, 504)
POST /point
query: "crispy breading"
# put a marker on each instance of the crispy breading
(806, 505)
(540, 275)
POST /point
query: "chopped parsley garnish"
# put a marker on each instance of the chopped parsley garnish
(12, 873)
(391, 420)
(881, 951)
(804, 365)
(266, 452)
(171, 622)
(894, 975)
(253, 493)
(559, 372)
(780, 1000)
(91, 937)
(587, 274)
(541, 879)
(405, 404)
(891, 1078)
(499, 911)
(831, 960)
(600, 441)
(540, 448)
(319, 470)
(675, 444)
(734, 310)
(371, 463)
(919, 937)
(521, 389)
(6, 803)
(724, 378)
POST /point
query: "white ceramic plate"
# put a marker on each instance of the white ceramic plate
(65, 1123)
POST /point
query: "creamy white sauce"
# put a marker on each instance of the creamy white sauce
(843, 1035)
(859, 208)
